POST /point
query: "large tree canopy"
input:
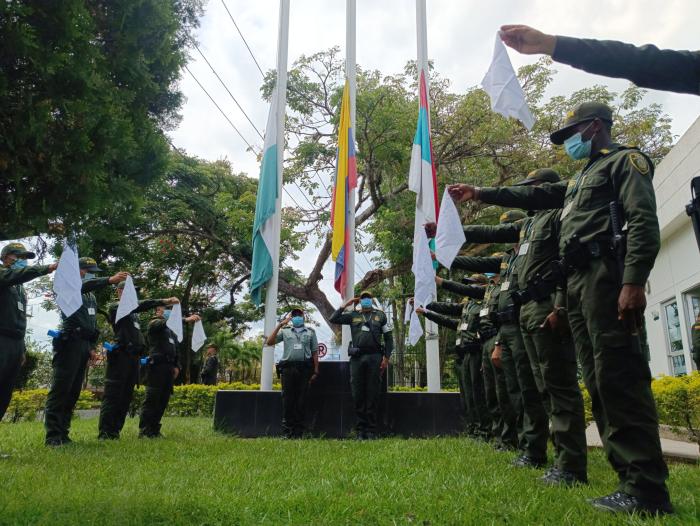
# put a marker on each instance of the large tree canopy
(86, 89)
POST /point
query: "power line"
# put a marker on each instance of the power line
(227, 90)
(220, 110)
(243, 38)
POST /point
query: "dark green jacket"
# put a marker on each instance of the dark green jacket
(455, 287)
(375, 324)
(489, 307)
(585, 201)
(13, 299)
(84, 320)
(210, 370)
(646, 66)
(162, 342)
(502, 265)
(127, 331)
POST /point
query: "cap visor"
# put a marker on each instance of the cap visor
(28, 255)
(524, 182)
(559, 136)
(92, 269)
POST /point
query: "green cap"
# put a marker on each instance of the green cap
(366, 294)
(586, 111)
(543, 175)
(17, 249)
(511, 216)
(478, 278)
(296, 309)
(89, 264)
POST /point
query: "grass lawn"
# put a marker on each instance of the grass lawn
(195, 476)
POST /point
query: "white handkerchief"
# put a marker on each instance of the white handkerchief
(502, 85)
(407, 312)
(415, 330)
(174, 322)
(198, 336)
(129, 300)
(423, 270)
(67, 283)
(450, 235)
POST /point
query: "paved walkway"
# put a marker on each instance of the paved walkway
(676, 449)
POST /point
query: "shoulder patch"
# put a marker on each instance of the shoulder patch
(639, 162)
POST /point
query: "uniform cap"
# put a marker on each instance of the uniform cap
(543, 175)
(366, 294)
(17, 249)
(476, 278)
(586, 111)
(296, 310)
(511, 216)
(89, 264)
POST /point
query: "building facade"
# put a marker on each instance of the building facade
(673, 290)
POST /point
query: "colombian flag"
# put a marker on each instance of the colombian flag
(345, 183)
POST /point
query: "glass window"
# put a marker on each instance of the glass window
(675, 342)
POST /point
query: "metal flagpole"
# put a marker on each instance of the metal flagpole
(432, 347)
(350, 74)
(268, 354)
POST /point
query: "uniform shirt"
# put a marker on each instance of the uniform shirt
(585, 201)
(366, 329)
(646, 66)
(127, 331)
(13, 299)
(489, 307)
(210, 369)
(299, 344)
(84, 320)
(162, 342)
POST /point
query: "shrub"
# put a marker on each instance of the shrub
(25, 405)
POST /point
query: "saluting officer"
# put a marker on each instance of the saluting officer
(368, 358)
(71, 352)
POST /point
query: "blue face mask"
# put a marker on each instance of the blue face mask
(297, 321)
(89, 275)
(366, 303)
(166, 314)
(19, 264)
(577, 148)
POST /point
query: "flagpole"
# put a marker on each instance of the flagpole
(432, 347)
(268, 353)
(350, 74)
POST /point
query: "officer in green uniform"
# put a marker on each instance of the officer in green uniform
(122, 372)
(297, 368)
(71, 352)
(368, 358)
(695, 337)
(551, 352)
(210, 371)
(646, 66)
(605, 277)
(162, 368)
(13, 313)
(510, 350)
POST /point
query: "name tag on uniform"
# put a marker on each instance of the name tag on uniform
(20, 306)
(484, 312)
(567, 209)
(137, 325)
(91, 311)
(505, 286)
(463, 326)
(171, 341)
(458, 341)
(365, 328)
(298, 347)
(523, 249)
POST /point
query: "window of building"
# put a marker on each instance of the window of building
(676, 358)
(692, 309)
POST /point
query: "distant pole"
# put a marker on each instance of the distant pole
(268, 354)
(350, 74)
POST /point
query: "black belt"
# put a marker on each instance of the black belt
(469, 347)
(510, 314)
(159, 359)
(488, 333)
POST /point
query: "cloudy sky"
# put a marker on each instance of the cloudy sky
(460, 42)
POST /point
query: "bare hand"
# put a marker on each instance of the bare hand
(438, 281)
(118, 278)
(527, 40)
(462, 192)
(383, 365)
(351, 301)
(93, 357)
(176, 372)
(172, 301)
(554, 322)
(420, 310)
(53, 267)
(193, 318)
(313, 378)
(630, 307)
(430, 229)
(496, 356)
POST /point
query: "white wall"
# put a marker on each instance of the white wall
(677, 267)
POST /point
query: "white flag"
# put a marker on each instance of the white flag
(450, 235)
(67, 283)
(129, 300)
(407, 312)
(502, 85)
(174, 322)
(426, 290)
(415, 330)
(198, 336)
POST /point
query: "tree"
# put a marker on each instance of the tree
(86, 90)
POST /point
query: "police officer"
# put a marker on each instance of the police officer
(13, 313)
(71, 352)
(368, 358)
(606, 274)
(122, 372)
(646, 66)
(210, 371)
(162, 368)
(298, 367)
(695, 338)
